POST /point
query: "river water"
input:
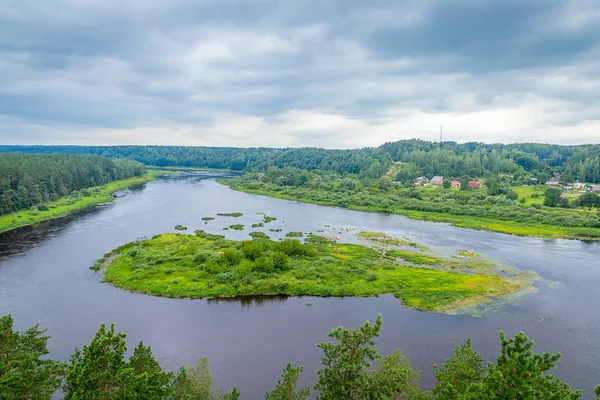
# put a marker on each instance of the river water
(45, 278)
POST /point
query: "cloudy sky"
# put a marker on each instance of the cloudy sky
(326, 73)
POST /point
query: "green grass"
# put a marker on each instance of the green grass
(237, 227)
(234, 215)
(69, 204)
(464, 221)
(527, 191)
(209, 266)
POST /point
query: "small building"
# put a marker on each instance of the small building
(568, 186)
(474, 184)
(595, 188)
(437, 180)
(553, 182)
(454, 183)
(579, 185)
(422, 179)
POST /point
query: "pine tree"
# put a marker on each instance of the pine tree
(286, 387)
(23, 372)
(457, 373)
(346, 364)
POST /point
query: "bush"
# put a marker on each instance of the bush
(230, 257)
(280, 261)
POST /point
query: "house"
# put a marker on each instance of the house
(595, 188)
(568, 186)
(437, 180)
(553, 182)
(421, 181)
(454, 183)
(474, 184)
(579, 185)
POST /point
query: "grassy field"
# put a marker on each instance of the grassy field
(209, 266)
(527, 191)
(463, 221)
(70, 204)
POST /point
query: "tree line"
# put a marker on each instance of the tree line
(581, 162)
(31, 180)
(351, 368)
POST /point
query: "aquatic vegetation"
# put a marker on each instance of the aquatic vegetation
(258, 235)
(237, 227)
(181, 227)
(294, 234)
(275, 230)
(206, 265)
(268, 219)
(234, 215)
(259, 225)
(207, 218)
(465, 254)
(385, 239)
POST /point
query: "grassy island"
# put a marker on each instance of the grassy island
(72, 203)
(210, 266)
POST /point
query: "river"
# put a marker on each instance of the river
(45, 278)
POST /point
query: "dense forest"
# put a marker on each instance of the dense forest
(28, 180)
(352, 368)
(580, 162)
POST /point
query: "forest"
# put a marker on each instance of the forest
(540, 161)
(31, 180)
(352, 368)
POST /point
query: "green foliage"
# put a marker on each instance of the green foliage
(347, 363)
(552, 197)
(25, 373)
(286, 388)
(237, 227)
(457, 373)
(394, 378)
(28, 181)
(268, 219)
(512, 195)
(258, 235)
(207, 218)
(234, 215)
(447, 184)
(180, 227)
(519, 373)
(589, 200)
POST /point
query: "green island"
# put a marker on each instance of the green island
(481, 209)
(233, 215)
(72, 203)
(207, 218)
(209, 266)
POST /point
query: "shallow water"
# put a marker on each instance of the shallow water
(45, 279)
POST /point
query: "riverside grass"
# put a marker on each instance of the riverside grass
(69, 205)
(209, 266)
(462, 221)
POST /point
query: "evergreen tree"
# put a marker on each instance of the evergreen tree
(23, 372)
(286, 387)
(394, 379)
(457, 373)
(346, 364)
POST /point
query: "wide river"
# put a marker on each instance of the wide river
(45, 278)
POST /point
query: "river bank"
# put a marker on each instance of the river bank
(463, 221)
(71, 204)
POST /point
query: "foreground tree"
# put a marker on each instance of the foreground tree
(519, 373)
(23, 372)
(457, 373)
(393, 378)
(286, 388)
(552, 197)
(346, 364)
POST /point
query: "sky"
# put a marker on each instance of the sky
(295, 73)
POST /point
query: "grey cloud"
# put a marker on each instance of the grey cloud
(200, 64)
